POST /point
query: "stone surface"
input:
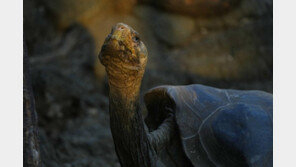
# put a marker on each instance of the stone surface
(170, 29)
(173, 29)
(202, 8)
(238, 53)
(67, 12)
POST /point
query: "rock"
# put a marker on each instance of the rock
(173, 29)
(63, 78)
(200, 8)
(243, 52)
(48, 152)
(87, 143)
(237, 45)
(84, 142)
(31, 152)
(67, 12)
(256, 8)
(37, 25)
(234, 46)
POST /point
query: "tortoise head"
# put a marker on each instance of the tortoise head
(124, 56)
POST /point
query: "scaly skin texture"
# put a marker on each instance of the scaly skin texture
(125, 56)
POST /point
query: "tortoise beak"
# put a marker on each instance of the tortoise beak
(120, 31)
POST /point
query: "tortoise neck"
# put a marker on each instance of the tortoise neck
(127, 126)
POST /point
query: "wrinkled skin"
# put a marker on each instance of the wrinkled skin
(124, 57)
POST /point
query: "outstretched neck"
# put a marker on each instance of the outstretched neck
(127, 126)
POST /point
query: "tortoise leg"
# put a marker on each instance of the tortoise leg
(161, 137)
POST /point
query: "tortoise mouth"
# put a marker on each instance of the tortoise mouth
(121, 32)
(118, 44)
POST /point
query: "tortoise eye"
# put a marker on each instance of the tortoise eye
(136, 39)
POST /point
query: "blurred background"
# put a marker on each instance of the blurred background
(220, 43)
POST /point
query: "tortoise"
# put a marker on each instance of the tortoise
(191, 125)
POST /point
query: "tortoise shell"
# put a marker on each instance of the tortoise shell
(215, 127)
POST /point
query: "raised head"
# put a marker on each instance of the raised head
(124, 56)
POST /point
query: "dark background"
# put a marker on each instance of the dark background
(221, 43)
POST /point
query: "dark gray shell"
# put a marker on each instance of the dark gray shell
(216, 127)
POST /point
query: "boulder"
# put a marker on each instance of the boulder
(200, 8)
(67, 12)
(243, 52)
(173, 29)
